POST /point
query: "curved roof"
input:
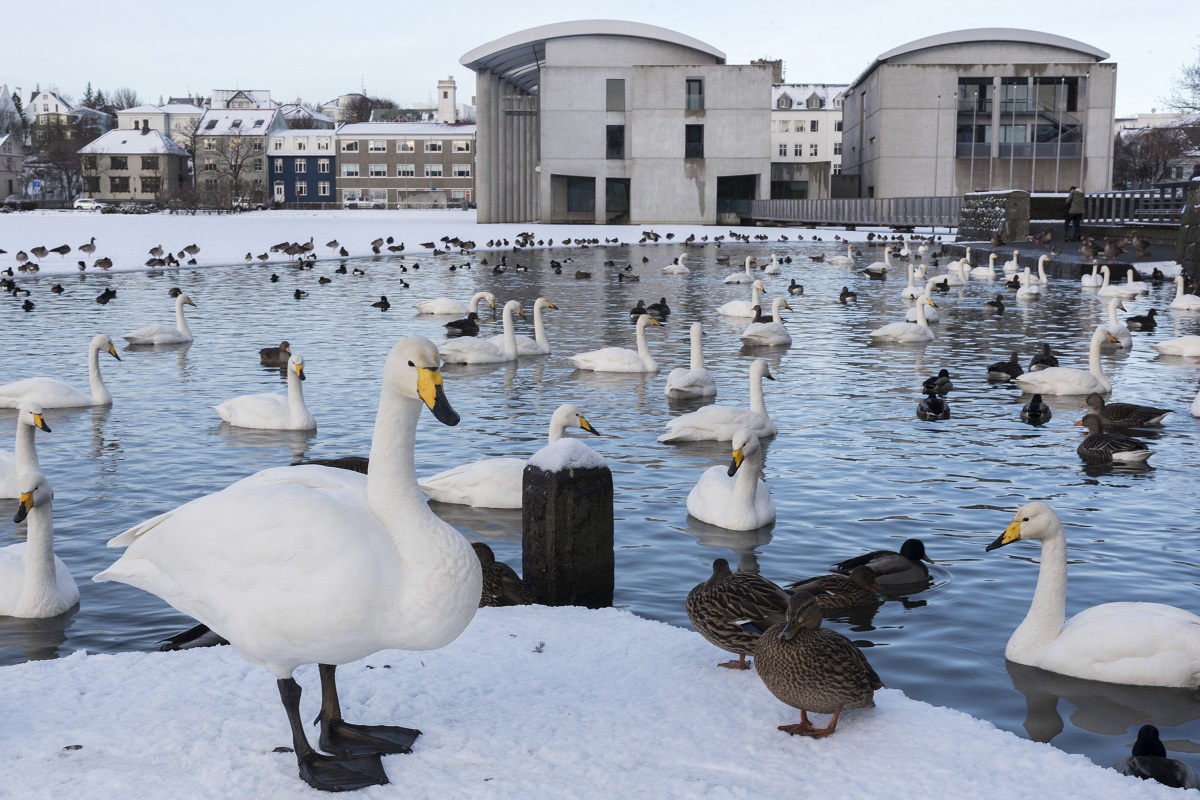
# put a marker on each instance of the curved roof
(994, 35)
(517, 58)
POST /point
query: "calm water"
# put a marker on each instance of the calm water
(852, 469)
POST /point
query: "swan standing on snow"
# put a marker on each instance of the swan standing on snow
(165, 334)
(1069, 380)
(270, 410)
(310, 564)
(735, 497)
(53, 393)
(446, 305)
(620, 359)
(745, 276)
(741, 308)
(483, 351)
(1184, 302)
(35, 583)
(496, 482)
(23, 459)
(907, 331)
(843, 261)
(720, 423)
(696, 381)
(1120, 333)
(677, 267)
(1138, 644)
(769, 334)
(539, 345)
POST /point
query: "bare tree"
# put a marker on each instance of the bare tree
(1142, 157)
(221, 162)
(358, 108)
(1185, 88)
(123, 97)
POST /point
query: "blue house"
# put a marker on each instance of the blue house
(302, 167)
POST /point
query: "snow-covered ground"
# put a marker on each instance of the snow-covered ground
(528, 702)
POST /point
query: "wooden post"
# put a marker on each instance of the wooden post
(567, 535)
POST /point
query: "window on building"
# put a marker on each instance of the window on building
(432, 146)
(378, 195)
(237, 123)
(210, 165)
(301, 165)
(377, 145)
(797, 149)
(812, 125)
(695, 94)
(799, 126)
(406, 146)
(377, 170)
(212, 123)
(277, 144)
(837, 125)
(462, 170)
(91, 183)
(693, 141)
(837, 169)
(784, 101)
(349, 147)
(614, 140)
(322, 165)
(462, 145)
(814, 101)
(785, 126)
(210, 144)
(118, 183)
(837, 148)
(256, 144)
(614, 94)
(1012, 134)
(405, 171)
(257, 184)
(151, 185)
(433, 170)
(323, 189)
(278, 165)
(813, 149)
(349, 170)
(256, 165)
(210, 184)
(322, 144)
(581, 195)
(301, 188)
(118, 162)
(89, 162)
(301, 145)
(258, 123)
(351, 195)
(150, 163)
(782, 148)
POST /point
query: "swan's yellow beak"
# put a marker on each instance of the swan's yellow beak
(736, 461)
(300, 371)
(112, 351)
(190, 302)
(39, 421)
(583, 423)
(550, 305)
(1011, 534)
(24, 504)
(429, 388)
(521, 313)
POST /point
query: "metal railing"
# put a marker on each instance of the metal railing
(904, 212)
(1162, 205)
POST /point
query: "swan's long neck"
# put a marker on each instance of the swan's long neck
(1112, 313)
(1048, 610)
(510, 335)
(539, 328)
(910, 277)
(558, 428)
(850, 251)
(100, 394)
(754, 295)
(757, 402)
(180, 321)
(1042, 270)
(697, 350)
(1104, 277)
(643, 349)
(921, 320)
(745, 485)
(40, 583)
(295, 396)
(1179, 287)
(1094, 354)
(24, 451)
(392, 490)
(747, 267)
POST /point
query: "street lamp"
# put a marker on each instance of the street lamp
(974, 112)
(937, 146)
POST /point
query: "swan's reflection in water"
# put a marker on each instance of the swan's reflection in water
(34, 639)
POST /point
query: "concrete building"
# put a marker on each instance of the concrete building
(12, 164)
(611, 121)
(133, 165)
(303, 166)
(176, 120)
(806, 139)
(988, 108)
(405, 164)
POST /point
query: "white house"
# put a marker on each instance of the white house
(141, 164)
(176, 120)
(806, 138)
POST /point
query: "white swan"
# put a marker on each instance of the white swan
(165, 334)
(769, 334)
(742, 308)
(1091, 280)
(745, 276)
(1041, 278)
(619, 359)
(696, 381)
(843, 261)
(1011, 266)
(53, 393)
(1180, 346)
(446, 305)
(496, 482)
(1120, 333)
(720, 423)
(468, 350)
(35, 583)
(1139, 644)
(1196, 405)
(931, 311)
(677, 267)
(1112, 289)
(911, 292)
(955, 274)
(23, 458)
(1068, 380)
(986, 273)
(539, 345)
(1184, 302)
(1029, 288)
(271, 410)
(908, 331)
(881, 266)
(772, 267)
(312, 564)
(1133, 285)
(734, 497)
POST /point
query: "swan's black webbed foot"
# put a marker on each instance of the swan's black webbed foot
(341, 773)
(348, 739)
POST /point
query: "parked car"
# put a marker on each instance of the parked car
(89, 204)
(248, 204)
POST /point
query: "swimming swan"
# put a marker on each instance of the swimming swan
(677, 267)
(908, 332)
(769, 334)
(1120, 332)
(296, 565)
(620, 359)
(35, 583)
(745, 276)
(1139, 644)
(741, 308)
(734, 497)
(1069, 380)
(271, 410)
(695, 381)
(23, 457)
(720, 423)
(53, 393)
(165, 334)
(1182, 301)
(446, 305)
(539, 345)
(843, 261)
(466, 350)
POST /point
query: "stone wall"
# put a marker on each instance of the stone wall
(985, 214)
(1187, 246)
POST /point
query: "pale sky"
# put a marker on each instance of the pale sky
(318, 50)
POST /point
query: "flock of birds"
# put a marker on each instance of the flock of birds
(392, 559)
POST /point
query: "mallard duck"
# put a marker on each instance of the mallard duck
(369, 567)
(813, 668)
(638, 310)
(835, 592)
(275, 356)
(1043, 359)
(731, 610)
(892, 568)
(939, 383)
(1006, 370)
(1149, 762)
(1100, 447)
(1138, 644)
(502, 586)
(659, 309)
(1035, 412)
(1123, 415)
(933, 407)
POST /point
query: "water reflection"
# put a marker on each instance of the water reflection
(34, 639)
(296, 442)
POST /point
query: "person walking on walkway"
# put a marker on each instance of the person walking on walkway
(1073, 216)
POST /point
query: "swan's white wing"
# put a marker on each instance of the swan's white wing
(263, 411)
(470, 351)
(441, 305)
(690, 383)
(715, 423)
(49, 392)
(490, 483)
(156, 334)
(610, 359)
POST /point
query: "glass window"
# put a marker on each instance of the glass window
(812, 125)
(277, 144)
(693, 141)
(433, 170)
(301, 165)
(322, 165)
(614, 141)
(837, 125)
(785, 126)
(210, 144)
(378, 195)
(783, 148)
(581, 194)
(837, 148)
(150, 163)
(462, 145)
(377, 170)
(151, 184)
(118, 162)
(349, 147)
(406, 146)
(614, 94)
(695, 94)
(301, 188)
(462, 170)
(812, 150)
(322, 144)
(301, 145)
(799, 126)
(256, 165)
(797, 149)
(89, 162)
(349, 170)
(377, 145)
(323, 189)
(405, 170)
(837, 169)
(118, 183)
(210, 165)
(433, 146)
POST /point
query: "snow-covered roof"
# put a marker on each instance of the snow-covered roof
(181, 108)
(145, 108)
(295, 111)
(236, 121)
(800, 92)
(258, 98)
(368, 129)
(132, 142)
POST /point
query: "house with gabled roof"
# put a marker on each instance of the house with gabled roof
(176, 120)
(139, 164)
(806, 138)
(12, 164)
(49, 115)
(231, 153)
